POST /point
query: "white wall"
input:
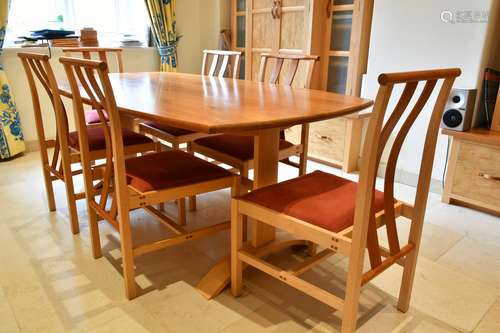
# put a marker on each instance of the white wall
(199, 22)
(409, 35)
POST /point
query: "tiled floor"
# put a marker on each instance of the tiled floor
(50, 283)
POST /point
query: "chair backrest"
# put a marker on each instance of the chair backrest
(89, 82)
(222, 62)
(38, 65)
(294, 61)
(100, 52)
(377, 137)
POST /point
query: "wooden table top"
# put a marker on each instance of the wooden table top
(214, 105)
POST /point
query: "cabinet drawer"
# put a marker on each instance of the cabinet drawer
(326, 139)
(477, 173)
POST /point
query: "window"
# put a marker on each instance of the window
(113, 19)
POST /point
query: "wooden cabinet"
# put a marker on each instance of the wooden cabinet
(473, 178)
(336, 30)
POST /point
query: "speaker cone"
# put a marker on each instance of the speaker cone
(452, 118)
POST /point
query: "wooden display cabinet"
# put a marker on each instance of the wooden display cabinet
(336, 30)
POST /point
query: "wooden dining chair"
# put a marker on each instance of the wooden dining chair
(103, 54)
(222, 62)
(66, 146)
(342, 216)
(138, 182)
(237, 150)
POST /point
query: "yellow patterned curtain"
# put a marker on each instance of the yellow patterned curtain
(11, 135)
(162, 17)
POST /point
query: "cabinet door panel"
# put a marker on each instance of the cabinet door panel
(259, 4)
(293, 30)
(264, 31)
(341, 31)
(337, 74)
(287, 3)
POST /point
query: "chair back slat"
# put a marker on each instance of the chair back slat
(294, 65)
(100, 53)
(38, 66)
(224, 63)
(275, 73)
(213, 68)
(377, 137)
(88, 80)
(294, 61)
(223, 66)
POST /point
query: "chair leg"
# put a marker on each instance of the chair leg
(244, 189)
(49, 189)
(304, 134)
(70, 193)
(181, 210)
(312, 249)
(192, 199)
(94, 233)
(159, 148)
(353, 291)
(127, 253)
(407, 282)
(92, 216)
(236, 245)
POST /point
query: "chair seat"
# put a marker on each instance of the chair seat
(92, 117)
(97, 140)
(238, 146)
(319, 198)
(174, 131)
(169, 169)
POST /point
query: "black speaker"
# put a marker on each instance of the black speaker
(458, 111)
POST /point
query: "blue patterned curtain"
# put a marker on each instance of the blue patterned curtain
(11, 135)
(162, 18)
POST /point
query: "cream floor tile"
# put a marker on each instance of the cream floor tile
(443, 294)
(120, 325)
(491, 321)
(8, 321)
(185, 310)
(267, 319)
(389, 319)
(474, 224)
(436, 240)
(475, 259)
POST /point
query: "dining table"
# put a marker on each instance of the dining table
(215, 105)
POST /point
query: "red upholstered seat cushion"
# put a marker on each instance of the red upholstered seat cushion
(238, 146)
(170, 169)
(97, 140)
(319, 198)
(175, 131)
(92, 117)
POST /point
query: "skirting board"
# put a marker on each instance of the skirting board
(411, 179)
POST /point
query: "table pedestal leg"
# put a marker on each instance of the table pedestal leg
(266, 150)
(266, 153)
